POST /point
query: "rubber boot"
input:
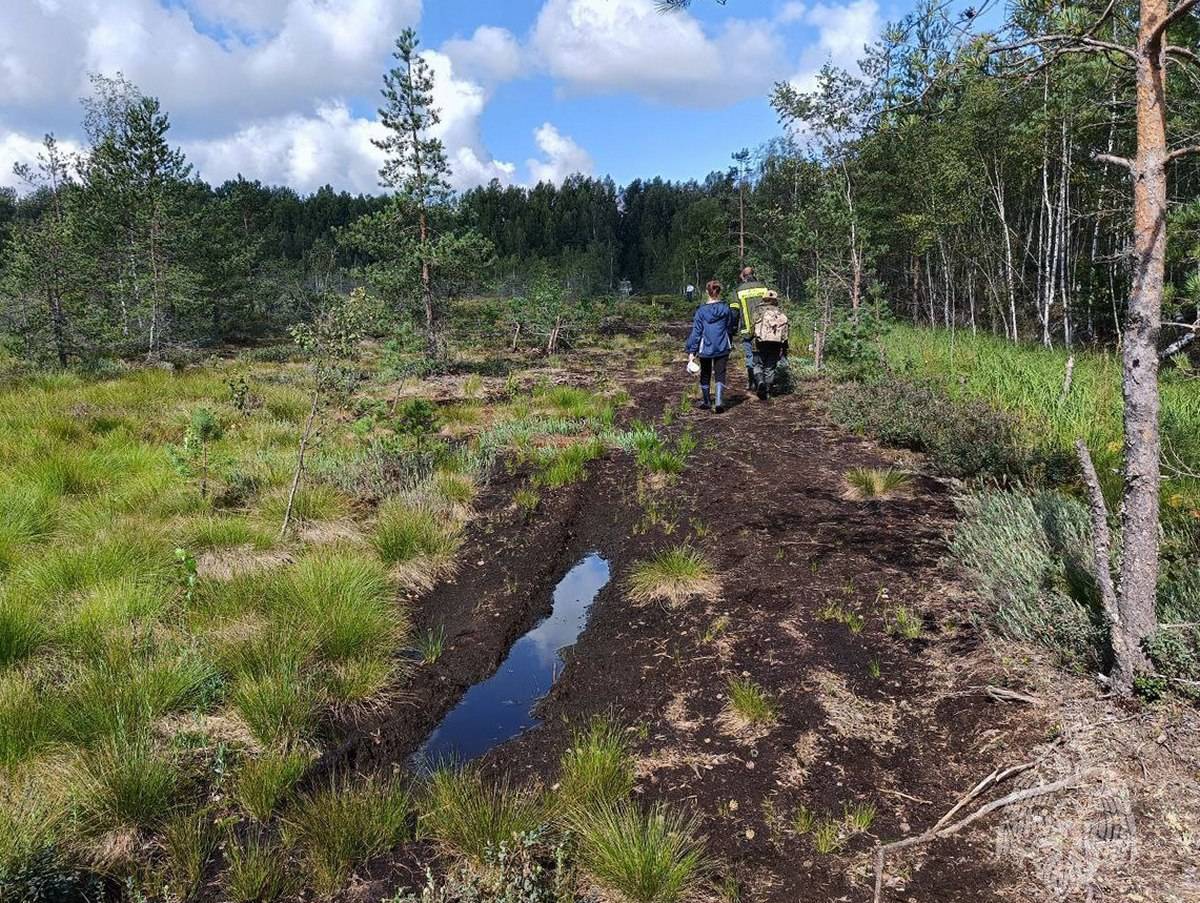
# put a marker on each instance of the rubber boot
(704, 401)
(751, 381)
(763, 389)
(720, 400)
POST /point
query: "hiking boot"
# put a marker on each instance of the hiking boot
(720, 409)
(703, 405)
(763, 392)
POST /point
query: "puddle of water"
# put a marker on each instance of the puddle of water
(501, 707)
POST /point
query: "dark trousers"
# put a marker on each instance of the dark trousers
(713, 368)
(766, 360)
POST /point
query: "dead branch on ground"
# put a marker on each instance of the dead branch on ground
(945, 827)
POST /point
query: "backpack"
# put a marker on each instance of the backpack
(771, 325)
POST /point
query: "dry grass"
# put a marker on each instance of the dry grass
(851, 715)
(226, 564)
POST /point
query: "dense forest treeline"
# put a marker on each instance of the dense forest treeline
(940, 184)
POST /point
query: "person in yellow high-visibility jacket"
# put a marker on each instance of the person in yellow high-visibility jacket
(745, 301)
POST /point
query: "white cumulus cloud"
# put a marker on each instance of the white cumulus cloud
(491, 54)
(609, 46)
(842, 32)
(563, 157)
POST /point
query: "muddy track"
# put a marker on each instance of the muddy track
(865, 716)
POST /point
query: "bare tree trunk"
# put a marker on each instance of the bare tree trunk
(1140, 502)
(296, 475)
(431, 336)
(1123, 656)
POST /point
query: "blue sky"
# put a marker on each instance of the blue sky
(285, 90)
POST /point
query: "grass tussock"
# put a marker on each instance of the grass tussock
(405, 532)
(256, 871)
(749, 703)
(188, 841)
(264, 782)
(562, 466)
(597, 768)
(126, 784)
(469, 816)
(345, 823)
(865, 484)
(655, 856)
(673, 577)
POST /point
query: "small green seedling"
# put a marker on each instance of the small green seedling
(804, 820)
(431, 644)
(827, 836)
(859, 817)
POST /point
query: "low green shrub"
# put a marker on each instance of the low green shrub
(1029, 555)
(965, 439)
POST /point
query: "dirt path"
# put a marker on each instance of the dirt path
(866, 716)
(762, 495)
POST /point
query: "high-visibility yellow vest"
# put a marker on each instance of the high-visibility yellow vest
(745, 301)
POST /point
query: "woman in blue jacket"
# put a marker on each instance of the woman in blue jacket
(710, 341)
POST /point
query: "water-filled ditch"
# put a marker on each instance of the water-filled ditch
(501, 707)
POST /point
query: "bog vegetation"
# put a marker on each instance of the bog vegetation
(221, 474)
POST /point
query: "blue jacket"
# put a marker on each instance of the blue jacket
(711, 330)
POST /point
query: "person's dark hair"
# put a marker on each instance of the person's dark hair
(713, 288)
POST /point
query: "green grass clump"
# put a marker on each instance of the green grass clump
(827, 836)
(566, 465)
(404, 532)
(527, 499)
(346, 599)
(575, 403)
(280, 708)
(313, 502)
(345, 823)
(903, 622)
(750, 703)
(859, 817)
(870, 483)
(128, 689)
(22, 628)
(673, 577)
(262, 783)
(24, 727)
(126, 782)
(33, 822)
(108, 610)
(454, 488)
(223, 532)
(27, 513)
(647, 857)
(431, 644)
(596, 769)
(804, 820)
(188, 840)
(469, 816)
(256, 870)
